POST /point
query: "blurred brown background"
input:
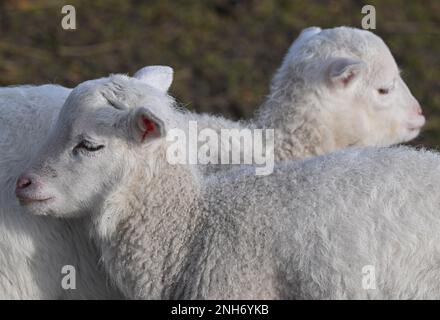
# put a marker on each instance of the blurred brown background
(224, 52)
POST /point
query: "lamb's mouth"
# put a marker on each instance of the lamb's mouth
(27, 201)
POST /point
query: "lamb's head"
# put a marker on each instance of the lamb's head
(353, 84)
(103, 127)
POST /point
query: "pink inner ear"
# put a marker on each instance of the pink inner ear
(150, 126)
(348, 78)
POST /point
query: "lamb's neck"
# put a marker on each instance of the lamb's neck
(149, 243)
(300, 128)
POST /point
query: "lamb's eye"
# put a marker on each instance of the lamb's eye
(87, 146)
(383, 91)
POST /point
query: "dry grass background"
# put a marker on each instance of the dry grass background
(224, 52)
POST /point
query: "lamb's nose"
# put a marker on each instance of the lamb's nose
(23, 182)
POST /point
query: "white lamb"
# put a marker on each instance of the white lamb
(312, 112)
(336, 88)
(33, 251)
(306, 231)
(342, 88)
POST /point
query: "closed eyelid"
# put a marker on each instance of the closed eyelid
(86, 137)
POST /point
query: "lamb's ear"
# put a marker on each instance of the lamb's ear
(308, 33)
(146, 126)
(159, 77)
(342, 72)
